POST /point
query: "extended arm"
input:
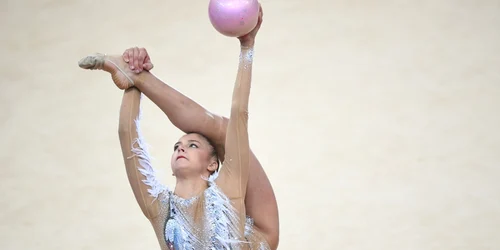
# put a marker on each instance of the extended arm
(140, 173)
(183, 112)
(233, 176)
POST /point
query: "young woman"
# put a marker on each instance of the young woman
(200, 213)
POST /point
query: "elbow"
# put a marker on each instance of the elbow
(239, 111)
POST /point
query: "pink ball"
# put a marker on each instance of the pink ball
(233, 18)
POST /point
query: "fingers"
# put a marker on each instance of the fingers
(261, 15)
(147, 59)
(136, 64)
(130, 53)
(141, 60)
(125, 56)
(261, 12)
(147, 63)
(148, 66)
(128, 57)
(138, 59)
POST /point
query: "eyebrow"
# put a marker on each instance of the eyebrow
(188, 141)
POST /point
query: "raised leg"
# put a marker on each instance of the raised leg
(146, 190)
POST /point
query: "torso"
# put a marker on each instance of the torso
(203, 222)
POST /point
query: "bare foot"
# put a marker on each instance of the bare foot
(119, 69)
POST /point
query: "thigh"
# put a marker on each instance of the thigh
(260, 202)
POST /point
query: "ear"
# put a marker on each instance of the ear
(213, 166)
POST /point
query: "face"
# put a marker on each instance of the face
(193, 156)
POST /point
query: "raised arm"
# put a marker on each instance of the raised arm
(233, 176)
(141, 176)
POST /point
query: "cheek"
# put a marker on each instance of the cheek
(199, 154)
(172, 160)
(173, 157)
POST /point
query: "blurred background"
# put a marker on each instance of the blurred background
(376, 121)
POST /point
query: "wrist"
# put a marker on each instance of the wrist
(246, 54)
(247, 44)
(140, 79)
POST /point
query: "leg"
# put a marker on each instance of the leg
(140, 173)
(137, 160)
(187, 115)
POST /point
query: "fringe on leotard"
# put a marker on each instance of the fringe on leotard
(221, 221)
(141, 149)
(222, 218)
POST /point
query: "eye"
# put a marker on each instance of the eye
(175, 147)
(193, 145)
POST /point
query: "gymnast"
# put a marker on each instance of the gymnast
(213, 206)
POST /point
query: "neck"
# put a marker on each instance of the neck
(190, 187)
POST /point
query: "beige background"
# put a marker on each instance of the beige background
(377, 122)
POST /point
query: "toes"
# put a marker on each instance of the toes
(91, 62)
(86, 63)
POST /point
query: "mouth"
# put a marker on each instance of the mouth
(180, 157)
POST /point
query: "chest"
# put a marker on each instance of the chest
(205, 222)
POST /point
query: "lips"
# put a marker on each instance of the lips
(180, 156)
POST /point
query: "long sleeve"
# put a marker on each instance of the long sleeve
(233, 176)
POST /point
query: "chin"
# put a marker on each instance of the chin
(181, 169)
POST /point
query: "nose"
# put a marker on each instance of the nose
(180, 148)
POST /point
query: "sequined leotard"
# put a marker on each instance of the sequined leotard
(214, 219)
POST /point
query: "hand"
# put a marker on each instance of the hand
(137, 59)
(248, 40)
